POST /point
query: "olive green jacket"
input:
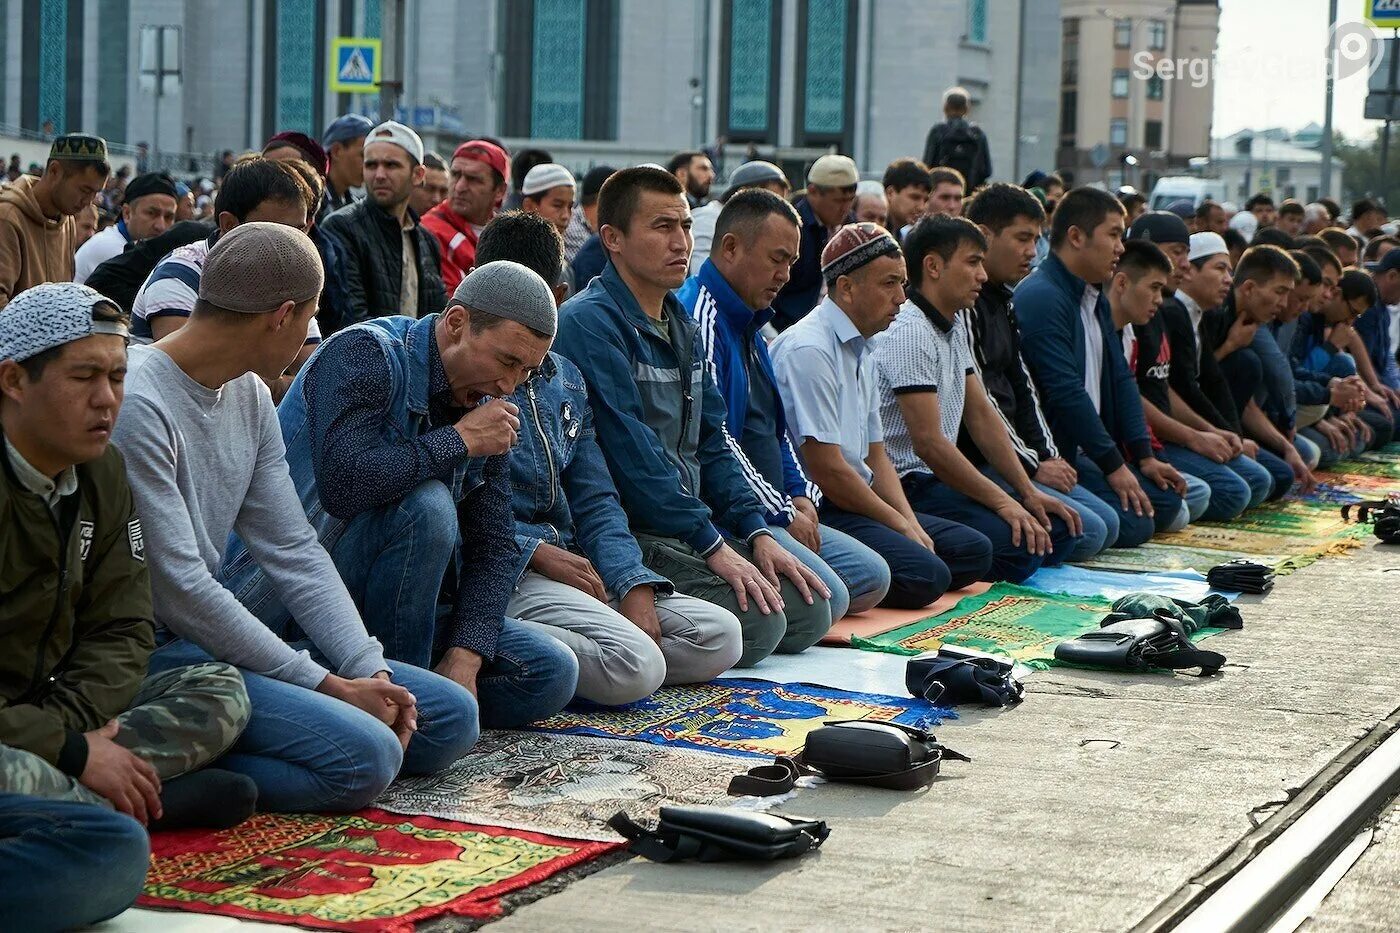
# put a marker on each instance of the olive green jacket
(76, 624)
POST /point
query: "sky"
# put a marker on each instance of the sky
(1262, 89)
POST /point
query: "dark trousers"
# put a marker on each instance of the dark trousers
(1380, 425)
(1133, 529)
(1279, 469)
(918, 576)
(1010, 562)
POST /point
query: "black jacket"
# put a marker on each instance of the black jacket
(1201, 386)
(371, 244)
(995, 337)
(122, 276)
(941, 149)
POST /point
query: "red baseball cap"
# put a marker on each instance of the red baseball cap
(479, 150)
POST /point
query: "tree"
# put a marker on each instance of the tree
(1362, 175)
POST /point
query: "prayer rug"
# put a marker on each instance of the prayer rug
(877, 621)
(565, 785)
(366, 871)
(754, 718)
(1016, 621)
(1187, 585)
(1153, 557)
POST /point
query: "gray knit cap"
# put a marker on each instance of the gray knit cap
(256, 266)
(509, 290)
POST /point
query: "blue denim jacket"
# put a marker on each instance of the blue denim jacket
(370, 442)
(562, 492)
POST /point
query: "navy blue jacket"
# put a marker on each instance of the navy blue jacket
(1052, 337)
(589, 261)
(563, 494)
(1374, 329)
(659, 417)
(728, 333)
(803, 291)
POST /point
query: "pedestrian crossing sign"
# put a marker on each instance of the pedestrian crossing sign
(1384, 13)
(354, 65)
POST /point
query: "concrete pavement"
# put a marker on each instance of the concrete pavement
(1083, 809)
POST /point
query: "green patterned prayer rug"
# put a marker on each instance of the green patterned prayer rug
(1016, 621)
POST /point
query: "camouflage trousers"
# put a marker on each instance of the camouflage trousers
(180, 721)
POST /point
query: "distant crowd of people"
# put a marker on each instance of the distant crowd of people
(315, 472)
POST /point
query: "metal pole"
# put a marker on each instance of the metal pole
(154, 155)
(1326, 182)
(391, 48)
(1390, 98)
(1020, 93)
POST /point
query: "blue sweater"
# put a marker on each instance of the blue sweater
(1052, 341)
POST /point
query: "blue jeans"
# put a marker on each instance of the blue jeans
(1133, 529)
(1010, 562)
(1100, 521)
(65, 864)
(1311, 452)
(392, 560)
(918, 576)
(1327, 453)
(1236, 485)
(1279, 471)
(857, 577)
(1193, 505)
(307, 751)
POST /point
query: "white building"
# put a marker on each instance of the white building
(1271, 161)
(619, 81)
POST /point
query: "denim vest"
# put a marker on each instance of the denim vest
(405, 342)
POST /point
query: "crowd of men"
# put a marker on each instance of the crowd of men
(388, 448)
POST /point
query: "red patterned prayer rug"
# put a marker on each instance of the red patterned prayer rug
(366, 871)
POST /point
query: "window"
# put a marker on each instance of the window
(826, 65)
(1118, 131)
(749, 70)
(977, 21)
(1120, 82)
(560, 77)
(1123, 33)
(1312, 193)
(1283, 175)
(112, 64)
(1156, 35)
(1156, 87)
(1070, 53)
(297, 32)
(1152, 134)
(1069, 117)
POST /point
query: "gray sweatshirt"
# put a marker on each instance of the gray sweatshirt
(203, 463)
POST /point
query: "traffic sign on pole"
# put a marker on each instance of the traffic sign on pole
(1383, 13)
(355, 65)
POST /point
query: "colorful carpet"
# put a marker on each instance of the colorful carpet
(878, 621)
(564, 785)
(367, 871)
(740, 717)
(1016, 621)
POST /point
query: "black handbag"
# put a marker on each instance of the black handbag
(720, 834)
(878, 754)
(1139, 645)
(1384, 515)
(954, 676)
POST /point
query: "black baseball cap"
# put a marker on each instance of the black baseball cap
(1160, 227)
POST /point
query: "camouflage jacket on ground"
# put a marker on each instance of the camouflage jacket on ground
(76, 625)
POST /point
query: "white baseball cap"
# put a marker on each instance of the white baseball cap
(1206, 244)
(394, 132)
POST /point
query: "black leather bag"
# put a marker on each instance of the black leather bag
(720, 834)
(1384, 515)
(956, 676)
(1139, 645)
(878, 754)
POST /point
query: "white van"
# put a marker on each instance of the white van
(1191, 188)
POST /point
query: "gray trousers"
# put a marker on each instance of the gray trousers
(178, 722)
(618, 662)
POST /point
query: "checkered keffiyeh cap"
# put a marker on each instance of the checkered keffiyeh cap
(51, 315)
(853, 246)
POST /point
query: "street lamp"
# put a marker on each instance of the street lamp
(1126, 162)
(160, 60)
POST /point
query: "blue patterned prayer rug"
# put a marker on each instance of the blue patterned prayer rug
(739, 717)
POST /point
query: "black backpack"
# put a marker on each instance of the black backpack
(960, 148)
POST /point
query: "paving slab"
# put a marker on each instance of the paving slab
(1084, 807)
